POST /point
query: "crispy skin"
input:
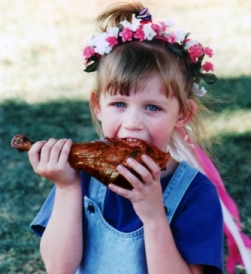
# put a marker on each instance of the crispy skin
(101, 158)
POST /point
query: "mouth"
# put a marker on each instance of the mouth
(134, 142)
(131, 139)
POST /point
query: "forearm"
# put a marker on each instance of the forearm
(62, 242)
(161, 252)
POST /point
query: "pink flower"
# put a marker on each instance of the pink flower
(171, 38)
(126, 34)
(163, 26)
(208, 51)
(112, 40)
(88, 52)
(194, 52)
(139, 34)
(157, 28)
(207, 66)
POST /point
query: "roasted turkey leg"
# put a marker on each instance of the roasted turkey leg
(101, 158)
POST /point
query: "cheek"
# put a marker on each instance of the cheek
(161, 136)
(109, 126)
(161, 141)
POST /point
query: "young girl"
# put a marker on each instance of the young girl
(171, 222)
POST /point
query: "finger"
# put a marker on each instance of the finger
(120, 191)
(152, 166)
(34, 153)
(46, 151)
(142, 170)
(56, 151)
(132, 178)
(64, 155)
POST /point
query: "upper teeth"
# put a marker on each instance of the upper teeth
(131, 140)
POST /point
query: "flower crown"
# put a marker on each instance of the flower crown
(142, 29)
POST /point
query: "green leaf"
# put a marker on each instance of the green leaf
(209, 78)
(92, 67)
(187, 35)
(176, 48)
(196, 67)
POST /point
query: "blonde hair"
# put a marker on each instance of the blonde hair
(134, 61)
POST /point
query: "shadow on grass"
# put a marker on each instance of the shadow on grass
(23, 192)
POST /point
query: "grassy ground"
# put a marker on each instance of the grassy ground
(43, 93)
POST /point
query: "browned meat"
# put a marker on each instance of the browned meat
(100, 158)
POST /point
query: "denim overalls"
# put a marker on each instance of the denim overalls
(109, 251)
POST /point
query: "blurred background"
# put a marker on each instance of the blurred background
(44, 93)
(42, 41)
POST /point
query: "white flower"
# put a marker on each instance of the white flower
(92, 42)
(132, 26)
(126, 24)
(180, 36)
(169, 23)
(197, 91)
(203, 91)
(149, 32)
(113, 31)
(190, 43)
(135, 24)
(101, 45)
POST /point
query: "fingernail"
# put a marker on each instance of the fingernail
(129, 160)
(120, 167)
(144, 156)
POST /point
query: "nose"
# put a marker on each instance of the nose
(133, 119)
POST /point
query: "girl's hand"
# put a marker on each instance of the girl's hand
(146, 196)
(50, 160)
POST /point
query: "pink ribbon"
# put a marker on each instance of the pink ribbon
(234, 255)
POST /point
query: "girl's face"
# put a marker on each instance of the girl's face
(147, 114)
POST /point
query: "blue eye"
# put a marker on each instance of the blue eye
(119, 104)
(152, 108)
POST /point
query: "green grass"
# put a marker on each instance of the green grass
(23, 192)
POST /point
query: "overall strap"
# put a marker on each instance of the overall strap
(97, 192)
(93, 189)
(177, 187)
